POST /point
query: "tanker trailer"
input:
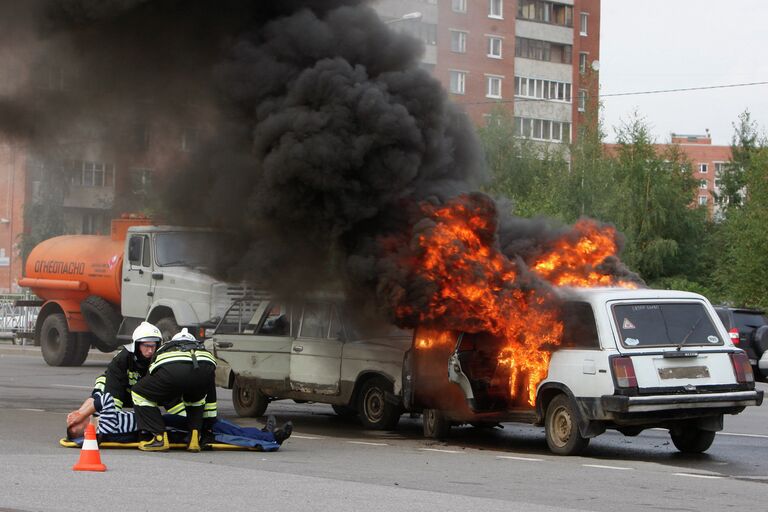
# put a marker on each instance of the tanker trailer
(97, 289)
(78, 277)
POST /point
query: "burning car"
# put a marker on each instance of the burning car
(620, 358)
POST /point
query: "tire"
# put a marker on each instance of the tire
(435, 425)
(760, 343)
(345, 412)
(374, 411)
(102, 320)
(562, 427)
(249, 402)
(95, 342)
(84, 345)
(59, 346)
(168, 327)
(692, 440)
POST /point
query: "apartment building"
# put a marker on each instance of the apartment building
(708, 163)
(539, 59)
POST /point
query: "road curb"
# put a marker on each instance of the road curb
(31, 350)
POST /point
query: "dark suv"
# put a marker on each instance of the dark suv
(749, 331)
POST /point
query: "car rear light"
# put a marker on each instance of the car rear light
(742, 368)
(734, 334)
(624, 372)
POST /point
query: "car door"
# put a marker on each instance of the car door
(254, 338)
(316, 351)
(137, 276)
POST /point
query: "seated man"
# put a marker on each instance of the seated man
(120, 426)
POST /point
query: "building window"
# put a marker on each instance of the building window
(703, 200)
(703, 184)
(583, 62)
(543, 50)
(93, 174)
(458, 41)
(544, 89)
(582, 100)
(494, 47)
(458, 82)
(459, 5)
(542, 129)
(141, 181)
(719, 168)
(545, 12)
(493, 86)
(703, 168)
(495, 9)
(583, 28)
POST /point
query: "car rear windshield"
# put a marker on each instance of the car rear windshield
(746, 321)
(665, 324)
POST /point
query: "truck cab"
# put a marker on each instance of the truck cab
(164, 279)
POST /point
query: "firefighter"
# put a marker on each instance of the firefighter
(181, 368)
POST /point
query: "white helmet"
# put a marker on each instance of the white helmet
(144, 332)
(184, 335)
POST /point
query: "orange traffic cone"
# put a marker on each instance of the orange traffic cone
(89, 454)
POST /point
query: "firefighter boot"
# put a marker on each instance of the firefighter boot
(158, 443)
(194, 441)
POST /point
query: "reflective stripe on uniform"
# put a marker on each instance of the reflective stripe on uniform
(176, 356)
(177, 409)
(101, 381)
(198, 403)
(211, 410)
(133, 377)
(118, 403)
(140, 401)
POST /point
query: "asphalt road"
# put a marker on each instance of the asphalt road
(329, 464)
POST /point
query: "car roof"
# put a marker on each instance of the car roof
(602, 294)
(751, 311)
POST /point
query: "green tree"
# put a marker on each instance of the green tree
(744, 143)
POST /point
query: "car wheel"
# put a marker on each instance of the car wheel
(434, 424)
(562, 427)
(375, 412)
(168, 327)
(345, 412)
(59, 346)
(249, 402)
(692, 440)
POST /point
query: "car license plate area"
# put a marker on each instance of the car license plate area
(684, 372)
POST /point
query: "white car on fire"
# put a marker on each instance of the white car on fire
(629, 359)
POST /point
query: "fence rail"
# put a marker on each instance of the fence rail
(16, 319)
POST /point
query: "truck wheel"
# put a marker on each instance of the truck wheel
(169, 328)
(95, 342)
(375, 412)
(84, 345)
(562, 427)
(345, 412)
(102, 319)
(59, 346)
(249, 402)
(434, 424)
(692, 440)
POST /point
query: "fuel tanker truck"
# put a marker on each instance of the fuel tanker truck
(96, 289)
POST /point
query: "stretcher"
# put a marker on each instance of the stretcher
(68, 443)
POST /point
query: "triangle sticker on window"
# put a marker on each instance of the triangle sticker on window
(627, 324)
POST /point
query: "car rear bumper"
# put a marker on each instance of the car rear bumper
(727, 400)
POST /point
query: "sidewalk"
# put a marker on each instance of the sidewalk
(8, 348)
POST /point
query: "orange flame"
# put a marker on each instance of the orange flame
(474, 289)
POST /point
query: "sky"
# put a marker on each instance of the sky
(648, 45)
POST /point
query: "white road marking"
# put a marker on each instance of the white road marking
(693, 475)
(762, 436)
(437, 450)
(524, 459)
(367, 443)
(33, 410)
(70, 386)
(600, 466)
(298, 436)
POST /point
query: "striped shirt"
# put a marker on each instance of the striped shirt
(111, 419)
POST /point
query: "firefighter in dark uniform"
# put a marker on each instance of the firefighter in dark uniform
(181, 368)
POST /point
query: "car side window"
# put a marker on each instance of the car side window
(277, 321)
(336, 330)
(239, 319)
(315, 320)
(579, 327)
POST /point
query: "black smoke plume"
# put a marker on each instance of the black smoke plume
(321, 134)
